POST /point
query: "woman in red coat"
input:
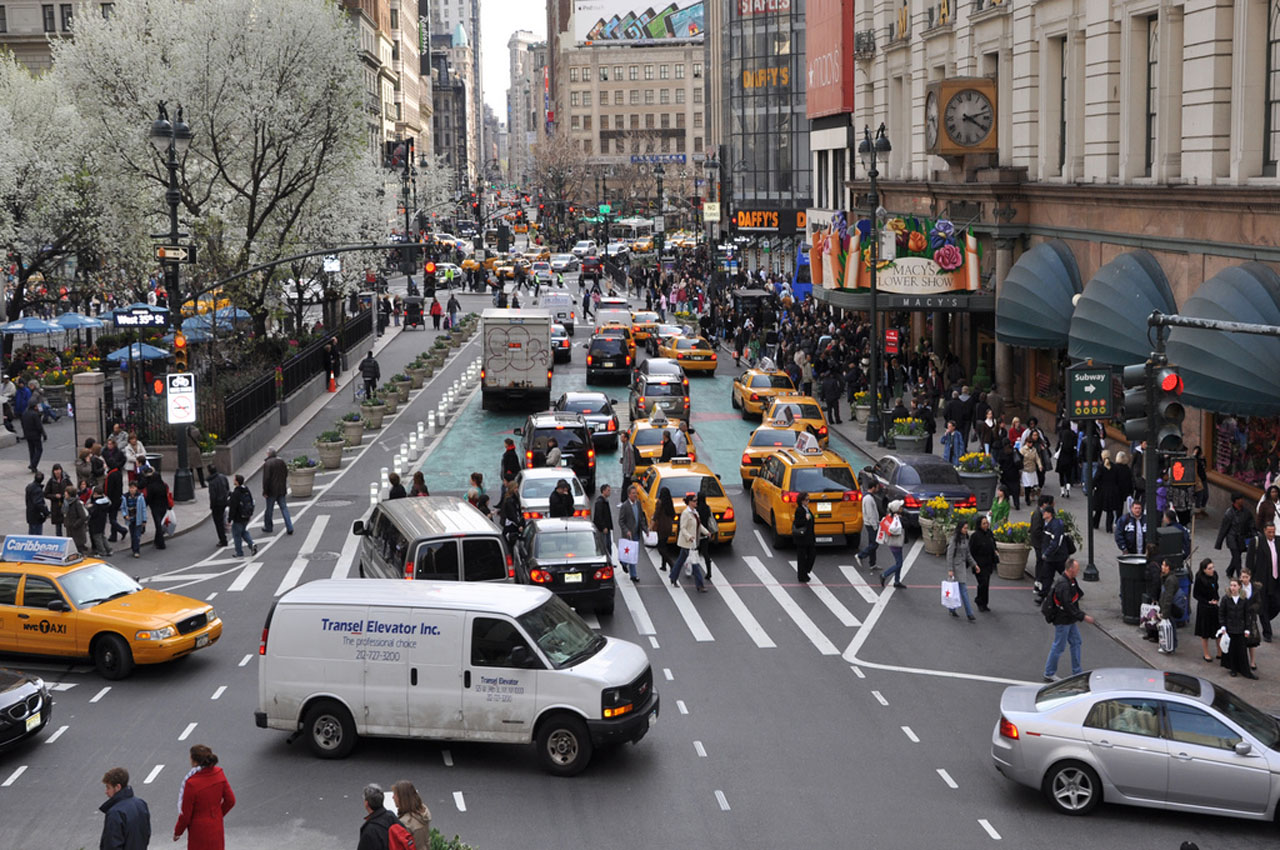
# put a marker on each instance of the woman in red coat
(205, 799)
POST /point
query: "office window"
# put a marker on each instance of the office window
(666, 144)
(618, 145)
(680, 72)
(4, 20)
(1271, 114)
(1062, 106)
(697, 95)
(108, 9)
(648, 145)
(664, 96)
(679, 144)
(617, 73)
(1153, 72)
(679, 119)
(697, 119)
(50, 22)
(65, 9)
(604, 73)
(395, 19)
(395, 51)
(573, 75)
(648, 122)
(679, 95)
(573, 98)
(635, 145)
(586, 98)
(586, 122)
(575, 121)
(587, 146)
(648, 72)
(697, 144)
(633, 72)
(666, 121)
(697, 70)
(617, 98)
(664, 72)
(586, 74)
(635, 96)
(648, 96)
(635, 121)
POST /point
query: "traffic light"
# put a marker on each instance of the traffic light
(1168, 409)
(1136, 380)
(180, 352)
(158, 386)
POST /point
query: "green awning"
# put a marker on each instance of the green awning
(1035, 303)
(1110, 319)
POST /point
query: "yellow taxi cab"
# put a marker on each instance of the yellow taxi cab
(490, 263)
(755, 388)
(683, 475)
(646, 436)
(206, 303)
(505, 271)
(520, 228)
(695, 354)
(764, 441)
(54, 602)
(806, 414)
(643, 323)
(619, 332)
(643, 245)
(471, 264)
(538, 254)
(808, 468)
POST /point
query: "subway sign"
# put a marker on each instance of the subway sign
(778, 221)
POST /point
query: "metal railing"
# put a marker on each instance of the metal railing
(247, 405)
(303, 366)
(355, 329)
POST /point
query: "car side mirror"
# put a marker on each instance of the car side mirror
(1243, 748)
(357, 527)
(613, 401)
(60, 605)
(519, 432)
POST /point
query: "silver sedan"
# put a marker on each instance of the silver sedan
(1142, 738)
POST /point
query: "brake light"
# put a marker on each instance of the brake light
(628, 359)
(482, 374)
(746, 459)
(728, 514)
(581, 513)
(604, 573)
(539, 576)
(1007, 729)
(686, 402)
(755, 396)
(532, 514)
(528, 460)
(408, 569)
(910, 501)
(641, 402)
(822, 432)
(790, 497)
(262, 646)
(679, 355)
(613, 424)
(852, 495)
(572, 315)
(511, 566)
(548, 374)
(588, 359)
(713, 355)
(591, 457)
(971, 502)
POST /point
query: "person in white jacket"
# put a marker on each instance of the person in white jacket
(689, 533)
(895, 540)
(135, 456)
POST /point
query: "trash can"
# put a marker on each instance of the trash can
(153, 461)
(1133, 577)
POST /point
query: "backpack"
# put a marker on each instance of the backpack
(245, 508)
(399, 837)
(1180, 605)
(1049, 605)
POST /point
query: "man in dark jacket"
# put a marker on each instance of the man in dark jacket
(602, 516)
(510, 461)
(128, 822)
(1054, 548)
(1132, 532)
(33, 432)
(156, 492)
(371, 374)
(560, 505)
(831, 392)
(1066, 619)
(37, 510)
(275, 487)
(1264, 564)
(219, 497)
(375, 831)
(1035, 536)
(632, 523)
(802, 535)
(1236, 529)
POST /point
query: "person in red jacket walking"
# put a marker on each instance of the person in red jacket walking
(205, 799)
(436, 312)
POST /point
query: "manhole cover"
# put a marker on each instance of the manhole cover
(335, 503)
(320, 556)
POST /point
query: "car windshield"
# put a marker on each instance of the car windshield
(607, 346)
(568, 439)
(814, 480)
(704, 486)
(1257, 723)
(541, 488)
(684, 344)
(651, 436)
(776, 382)
(799, 411)
(586, 405)
(645, 317)
(558, 330)
(664, 388)
(774, 437)
(97, 583)
(930, 473)
(576, 543)
(560, 633)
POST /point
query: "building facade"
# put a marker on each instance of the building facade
(1137, 138)
(413, 109)
(525, 102)
(449, 112)
(464, 15)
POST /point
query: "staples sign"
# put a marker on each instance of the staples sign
(763, 7)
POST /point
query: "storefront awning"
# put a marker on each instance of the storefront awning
(1110, 319)
(1231, 372)
(1034, 307)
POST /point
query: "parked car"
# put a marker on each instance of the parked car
(569, 558)
(597, 409)
(915, 479)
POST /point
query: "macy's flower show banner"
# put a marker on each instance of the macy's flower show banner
(918, 256)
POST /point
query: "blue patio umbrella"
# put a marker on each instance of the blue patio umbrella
(138, 351)
(30, 325)
(193, 334)
(232, 314)
(76, 321)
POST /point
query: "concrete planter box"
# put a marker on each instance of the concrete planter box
(392, 402)
(303, 481)
(1012, 563)
(861, 412)
(373, 414)
(983, 485)
(416, 378)
(352, 432)
(331, 453)
(909, 445)
(935, 542)
(402, 390)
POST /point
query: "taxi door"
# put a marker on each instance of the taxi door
(9, 628)
(42, 631)
(499, 681)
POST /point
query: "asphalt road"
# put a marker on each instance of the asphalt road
(828, 715)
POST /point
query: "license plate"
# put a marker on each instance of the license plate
(34, 720)
(653, 718)
(608, 364)
(824, 506)
(573, 578)
(823, 539)
(202, 640)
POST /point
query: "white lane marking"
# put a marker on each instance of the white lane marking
(151, 777)
(666, 671)
(176, 587)
(946, 777)
(991, 830)
(246, 575)
(590, 618)
(222, 689)
(347, 558)
(684, 709)
(299, 565)
(459, 802)
(688, 612)
(843, 614)
(245, 660)
(653, 641)
(13, 777)
(752, 626)
(100, 694)
(880, 698)
(61, 686)
(857, 672)
(780, 595)
(911, 736)
(56, 735)
(699, 749)
(186, 733)
(720, 798)
(211, 596)
(631, 596)
(763, 545)
(859, 584)
(944, 674)
(194, 577)
(868, 625)
(448, 758)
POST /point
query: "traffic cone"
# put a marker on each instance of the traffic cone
(333, 385)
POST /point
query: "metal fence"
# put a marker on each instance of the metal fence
(247, 405)
(302, 367)
(355, 329)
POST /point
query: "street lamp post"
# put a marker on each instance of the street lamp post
(171, 138)
(870, 151)
(659, 239)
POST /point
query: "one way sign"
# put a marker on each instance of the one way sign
(176, 253)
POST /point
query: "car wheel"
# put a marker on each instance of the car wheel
(1072, 788)
(745, 413)
(746, 484)
(755, 517)
(733, 399)
(112, 657)
(778, 540)
(329, 729)
(564, 746)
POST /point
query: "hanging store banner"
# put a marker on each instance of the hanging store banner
(629, 22)
(828, 57)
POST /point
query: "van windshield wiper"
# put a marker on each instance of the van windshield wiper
(587, 651)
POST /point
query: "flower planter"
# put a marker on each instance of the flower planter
(935, 543)
(353, 433)
(402, 390)
(373, 414)
(909, 444)
(416, 377)
(983, 485)
(1012, 563)
(455, 340)
(303, 481)
(391, 402)
(331, 453)
(862, 412)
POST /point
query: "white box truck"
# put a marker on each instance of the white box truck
(516, 365)
(448, 661)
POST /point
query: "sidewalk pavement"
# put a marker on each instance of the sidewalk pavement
(1102, 598)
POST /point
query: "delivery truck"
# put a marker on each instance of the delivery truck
(516, 366)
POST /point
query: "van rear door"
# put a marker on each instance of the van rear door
(498, 698)
(434, 677)
(484, 559)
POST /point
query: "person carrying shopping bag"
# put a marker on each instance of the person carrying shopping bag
(690, 533)
(891, 532)
(958, 560)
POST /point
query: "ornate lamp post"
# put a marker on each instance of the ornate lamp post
(659, 240)
(870, 152)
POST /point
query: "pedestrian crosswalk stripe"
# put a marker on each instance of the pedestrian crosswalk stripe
(630, 596)
(753, 628)
(859, 584)
(843, 614)
(801, 619)
(687, 610)
(347, 558)
(590, 618)
(299, 565)
(246, 575)
(60, 686)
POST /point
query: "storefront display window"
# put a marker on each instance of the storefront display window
(1246, 448)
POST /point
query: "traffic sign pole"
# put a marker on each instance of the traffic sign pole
(1089, 400)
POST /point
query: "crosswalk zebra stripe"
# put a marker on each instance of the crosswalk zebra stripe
(798, 616)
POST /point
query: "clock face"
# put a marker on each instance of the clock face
(969, 117)
(931, 120)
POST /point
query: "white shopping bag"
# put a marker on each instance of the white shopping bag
(170, 523)
(651, 538)
(628, 551)
(951, 594)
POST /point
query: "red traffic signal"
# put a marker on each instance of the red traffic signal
(1171, 382)
(430, 268)
(157, 386)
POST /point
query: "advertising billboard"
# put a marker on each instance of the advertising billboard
(829, 57)
(631, 22)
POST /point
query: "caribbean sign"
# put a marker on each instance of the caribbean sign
(1089, 392)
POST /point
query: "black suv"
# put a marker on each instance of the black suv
(567, 430)
(607, 357)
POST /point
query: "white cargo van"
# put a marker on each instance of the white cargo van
(449, 661)
(516, 365)
(562, 308)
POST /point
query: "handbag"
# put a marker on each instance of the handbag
(651, 538)
(170, 523)
(882, 531)
(951, 595)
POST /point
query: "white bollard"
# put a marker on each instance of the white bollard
(413, 443)
(431, 423)
(422, 429)
(382, 476)
(398, 466)
(404, 449)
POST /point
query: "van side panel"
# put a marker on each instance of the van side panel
(432, 659)
(380, 645)
(501, 701)
(307, 655)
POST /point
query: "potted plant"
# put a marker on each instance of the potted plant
(908, 435)
(329, 444)
(390, 398)
(417, 374)
(372, 409)
(934, 515)
(302, 475)
(352, 430)
(402, 384)
(1012, 547)
(861, 405)
(978, 470)
(208, 444)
